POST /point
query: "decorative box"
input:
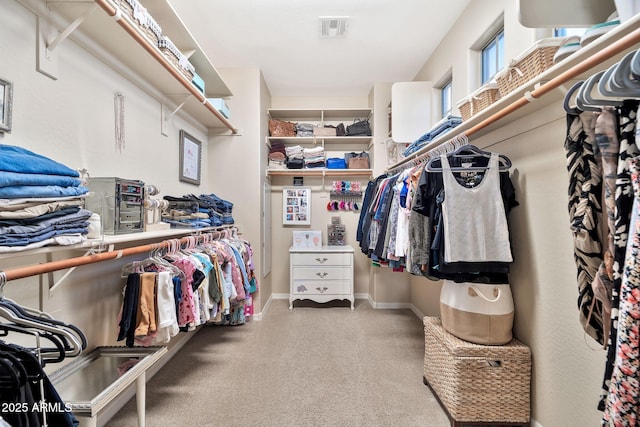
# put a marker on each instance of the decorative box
(477, 383)
(220, 106)
(478, 100)
(198, 82)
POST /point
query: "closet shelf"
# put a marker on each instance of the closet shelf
(114, 240)
(338, 140)
(319, 172)
(541, 92)
(319, 114)
(125, 41)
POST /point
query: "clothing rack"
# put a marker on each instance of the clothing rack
(48, 267)
(625, 42)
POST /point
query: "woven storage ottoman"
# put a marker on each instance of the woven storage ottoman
(477, 383)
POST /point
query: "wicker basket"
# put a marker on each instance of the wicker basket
(478, 101)
(142, 19)
(477, 383)
(535, 60)
(177, 58)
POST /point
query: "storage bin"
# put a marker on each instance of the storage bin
(177, 58)
(140, 17)
(477, 383)
(535, 60)
(478, 100)
(221, 106)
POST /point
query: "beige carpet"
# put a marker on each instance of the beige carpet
(313, 366)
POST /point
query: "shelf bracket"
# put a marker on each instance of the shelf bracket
(49, 38)
(168, 116)
(70, 29)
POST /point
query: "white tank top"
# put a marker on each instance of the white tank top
(475, 223)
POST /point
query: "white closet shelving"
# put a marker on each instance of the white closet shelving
(125, 41)
(337, 145)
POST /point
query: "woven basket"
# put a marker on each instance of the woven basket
(477, 383)
(177, 58)
(466, 108)
(478, 101)
(529, 65)
(144, 21)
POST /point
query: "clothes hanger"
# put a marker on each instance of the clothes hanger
(69, 328)
(567, 103)
(622, 81)
(468, 151)
(585, 93)
(72, 347)
(635, 64)
(59, 350)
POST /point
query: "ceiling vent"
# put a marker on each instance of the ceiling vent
(333, 26)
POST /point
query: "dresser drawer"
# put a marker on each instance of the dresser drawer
(322, 273)
(321, 287)
(323, 258)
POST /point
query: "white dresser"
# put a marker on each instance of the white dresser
(321, 274)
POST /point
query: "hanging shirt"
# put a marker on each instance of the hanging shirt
(475, 223)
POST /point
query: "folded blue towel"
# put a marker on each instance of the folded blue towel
(18, 159)
(8, 179)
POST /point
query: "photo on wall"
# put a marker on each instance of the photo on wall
(296, 206)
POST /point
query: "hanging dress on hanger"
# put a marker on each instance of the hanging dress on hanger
(623, 400)
(624, 202)
(585, 188)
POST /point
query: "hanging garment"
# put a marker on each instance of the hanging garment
(585, 187)
(623, 400)
(483, 236)
(623, 206)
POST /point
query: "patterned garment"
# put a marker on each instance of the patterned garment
(585, 188)
(622, 405)
(624, 202)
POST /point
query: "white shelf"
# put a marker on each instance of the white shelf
(550, 98)
(319, 172)
(320, 139)
(139, 54)
(316, 114)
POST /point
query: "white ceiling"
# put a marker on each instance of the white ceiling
(386, 40)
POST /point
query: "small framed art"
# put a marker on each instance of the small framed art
(190, 158)
(296, 206)
(6, 105)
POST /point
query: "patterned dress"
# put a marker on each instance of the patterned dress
(622, 405)
(585, 188)
(623, 201)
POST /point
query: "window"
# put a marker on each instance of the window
(493, 57)
(445, 99)
(564, 32)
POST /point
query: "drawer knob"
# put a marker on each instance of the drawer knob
(322, 275)
(322, 290)
(322, 260)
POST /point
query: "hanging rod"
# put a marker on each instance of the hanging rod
(48, 267)
(625, 42)
(133, 32)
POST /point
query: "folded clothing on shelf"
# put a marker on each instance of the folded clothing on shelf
(443, 126)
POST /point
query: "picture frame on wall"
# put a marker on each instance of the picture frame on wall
(6, 104)
(296, 206)
(190, 158)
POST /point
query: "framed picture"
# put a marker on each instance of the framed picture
(190, 158)
(6, 104)
(296, 206)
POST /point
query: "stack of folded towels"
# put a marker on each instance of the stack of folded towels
(314, 157)
(277, 156)
(295, 157)
(41, 202)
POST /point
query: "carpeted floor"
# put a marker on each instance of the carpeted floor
(313, 366)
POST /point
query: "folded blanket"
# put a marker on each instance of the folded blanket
(35, 191)
(31, 210)
(18, 159)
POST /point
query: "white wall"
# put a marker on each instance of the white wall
(567, 365)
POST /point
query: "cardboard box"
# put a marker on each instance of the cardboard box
(307, 239)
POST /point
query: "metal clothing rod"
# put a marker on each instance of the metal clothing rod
(34, 270)
(133, 32)
(625, 42)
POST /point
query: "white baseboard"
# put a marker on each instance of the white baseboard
(263, 312)
(534, 423)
